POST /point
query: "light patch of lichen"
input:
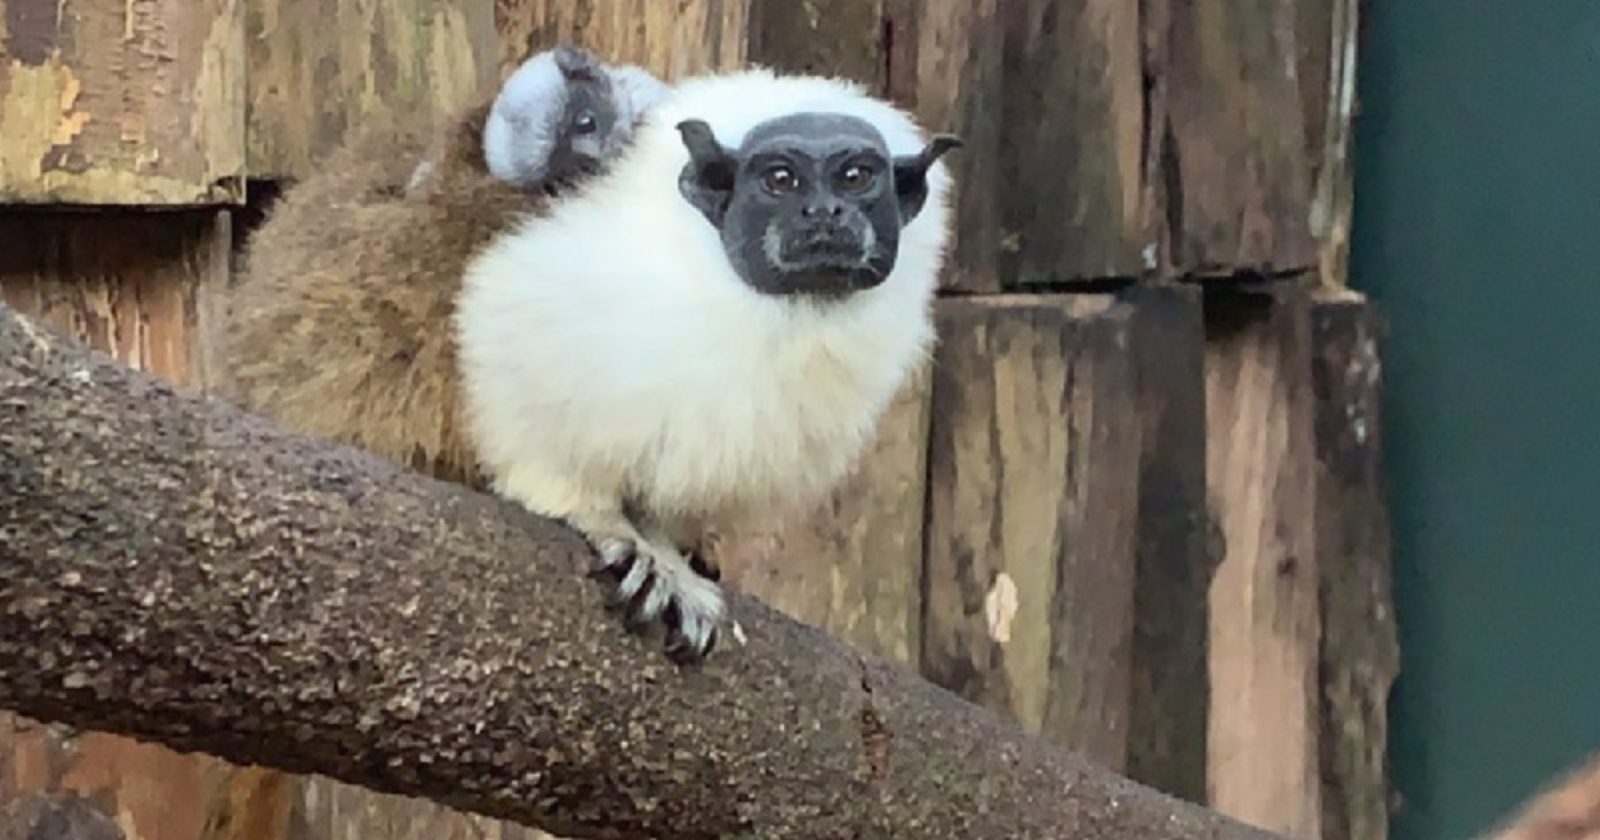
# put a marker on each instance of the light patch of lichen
(38, 111)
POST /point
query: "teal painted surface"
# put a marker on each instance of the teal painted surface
(1477, 228)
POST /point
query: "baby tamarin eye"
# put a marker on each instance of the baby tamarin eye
(584, 123)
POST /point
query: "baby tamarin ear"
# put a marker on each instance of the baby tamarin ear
(558, 116)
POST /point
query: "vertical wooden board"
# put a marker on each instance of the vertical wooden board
(1072, 133)
(140, 791)
(1360, 645)
(853, 566)
(133, 285)
(672, 40)
(1031, 521)
(320, 67)
(1238, 184)
(1327, 33)
(1170, 687)
(1262, 738)
(331, 810)
(122, 102)
(844, 38)
(944, 63)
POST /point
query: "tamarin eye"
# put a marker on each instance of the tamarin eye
(584, 123)
(780, 180)
(856, 177)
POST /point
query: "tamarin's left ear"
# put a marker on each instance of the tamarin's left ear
(707, 180)
(911, 174)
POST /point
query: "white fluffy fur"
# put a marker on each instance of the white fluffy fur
(609, 351)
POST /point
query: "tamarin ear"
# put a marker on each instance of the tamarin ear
(707, 180)
(911, 174)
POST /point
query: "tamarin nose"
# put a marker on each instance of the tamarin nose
(829, 208)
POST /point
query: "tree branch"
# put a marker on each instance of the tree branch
(176, 570)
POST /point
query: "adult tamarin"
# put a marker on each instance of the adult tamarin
(710, 325)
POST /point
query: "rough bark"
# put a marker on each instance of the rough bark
(173, 569)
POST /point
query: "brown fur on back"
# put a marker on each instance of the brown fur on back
(341, 326)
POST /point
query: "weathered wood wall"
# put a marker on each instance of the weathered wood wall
(1136, 502)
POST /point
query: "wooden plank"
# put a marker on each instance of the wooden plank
(136, 286)
(115, 102)
(843, 38)
(853, 566)
(1327, 68)
(1360, 645)
(1072, 129)
(1239, 192)
(1031, 531)
(672, 40)
(944, 63)
(1176, 557)
(330, 810)
(320, 67)
(1263, 739)
(132, 285)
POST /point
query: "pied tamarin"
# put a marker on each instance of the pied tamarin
(702, 318)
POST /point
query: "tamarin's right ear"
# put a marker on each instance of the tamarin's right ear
(707, 180)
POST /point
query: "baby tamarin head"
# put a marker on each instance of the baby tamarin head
(557, 117)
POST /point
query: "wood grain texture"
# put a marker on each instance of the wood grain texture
(1072, 129)
(1360, 645)
(853, 566)
(1171, 691)
(1263, 730)
(944, 63)
(133, 285)
(1328, 35)
(1031, 533)
(671, 39)
(843, 38)
(122, 102)
(319, 67)
(1238, 181)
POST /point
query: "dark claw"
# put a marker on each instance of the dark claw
(634, 620)
(704, 568)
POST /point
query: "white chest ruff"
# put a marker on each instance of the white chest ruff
(610, 343)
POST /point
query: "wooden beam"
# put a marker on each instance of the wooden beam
(1176, 556)
(672, 40)
(1234, 155)
(829, 37)
(1072, 133)
(320, 67)
(1360, 646)
(1031, 530)
(1263, 732)
(109, 102)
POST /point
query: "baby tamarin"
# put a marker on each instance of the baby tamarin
(709, 324)
(341, 324)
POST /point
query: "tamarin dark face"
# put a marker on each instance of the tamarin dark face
(585, 130)
(809, 204)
